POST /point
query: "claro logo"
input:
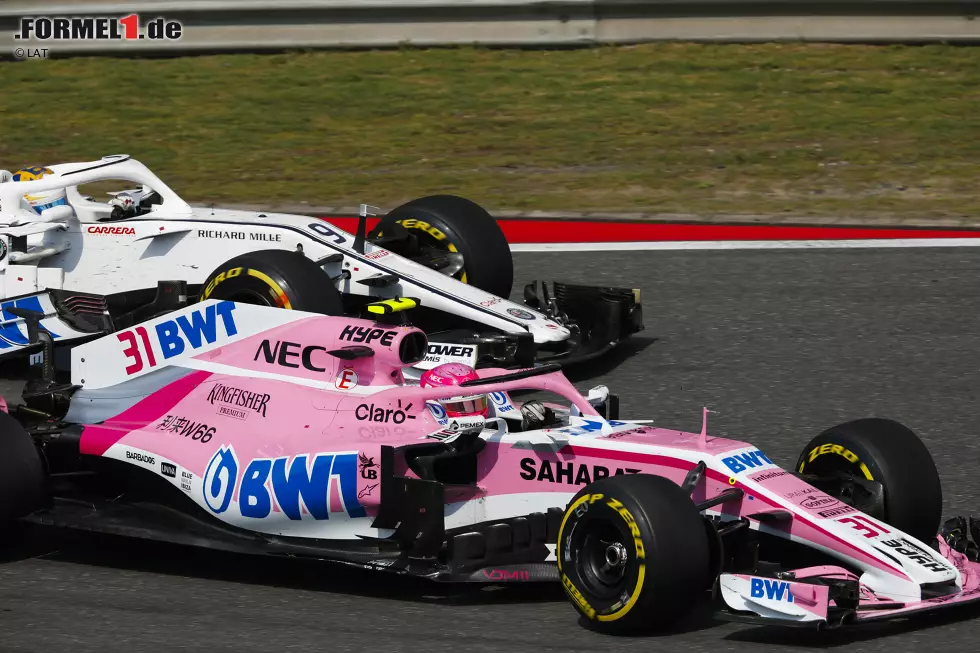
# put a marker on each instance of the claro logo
(372, 413)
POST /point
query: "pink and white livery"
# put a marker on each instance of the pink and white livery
(249, 428)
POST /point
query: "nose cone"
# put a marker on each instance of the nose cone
(549, 331)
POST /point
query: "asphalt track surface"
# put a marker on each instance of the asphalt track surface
(780, 343)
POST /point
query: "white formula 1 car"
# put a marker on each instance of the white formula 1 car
(85, 268)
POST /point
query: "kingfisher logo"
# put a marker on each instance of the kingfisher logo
(774, 590)
(10, 329)
(740, 462)
(303, 487)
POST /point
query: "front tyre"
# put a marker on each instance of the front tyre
(275, 277)
(633, 553)
(886, 452)
(468, 237)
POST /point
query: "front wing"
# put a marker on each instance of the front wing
(830, 597)
(598, 317)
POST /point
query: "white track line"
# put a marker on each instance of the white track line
(745, 244)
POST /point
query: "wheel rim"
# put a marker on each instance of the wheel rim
(605, 559)
(851, 476)
(435, 251)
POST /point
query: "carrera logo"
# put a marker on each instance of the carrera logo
(111, 231)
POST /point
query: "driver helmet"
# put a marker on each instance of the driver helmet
(42, 200)
(449, 374)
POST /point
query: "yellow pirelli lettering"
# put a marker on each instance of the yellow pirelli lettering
(837, 450)
(222, 276)
(577, 597)
(412, 223)
(631, 523)
(624, 610)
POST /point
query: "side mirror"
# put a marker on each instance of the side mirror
(598, 395)
(605, 403)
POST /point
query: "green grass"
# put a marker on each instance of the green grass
(804, 129)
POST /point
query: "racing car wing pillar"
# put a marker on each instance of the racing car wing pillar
(413, 508)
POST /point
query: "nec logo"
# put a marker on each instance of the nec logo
(774, 590)
(748, 460)
(367, 335)
(290, 354)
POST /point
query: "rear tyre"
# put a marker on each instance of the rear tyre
(889, 453)
(22, 475)
(460, 227)
(633, 553)
(275, 277)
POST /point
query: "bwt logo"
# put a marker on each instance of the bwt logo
(97, 29)
(193, 330)
(302, 485)
(774, 590)
(202, 328)
(748, 460)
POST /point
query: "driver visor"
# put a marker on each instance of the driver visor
(472, 405)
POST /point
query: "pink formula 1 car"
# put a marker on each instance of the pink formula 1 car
(248, 428)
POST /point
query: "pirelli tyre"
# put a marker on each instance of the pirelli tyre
(22, 475)
(463, 228)
(274, 277)
(889, 453)
(633, 553)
